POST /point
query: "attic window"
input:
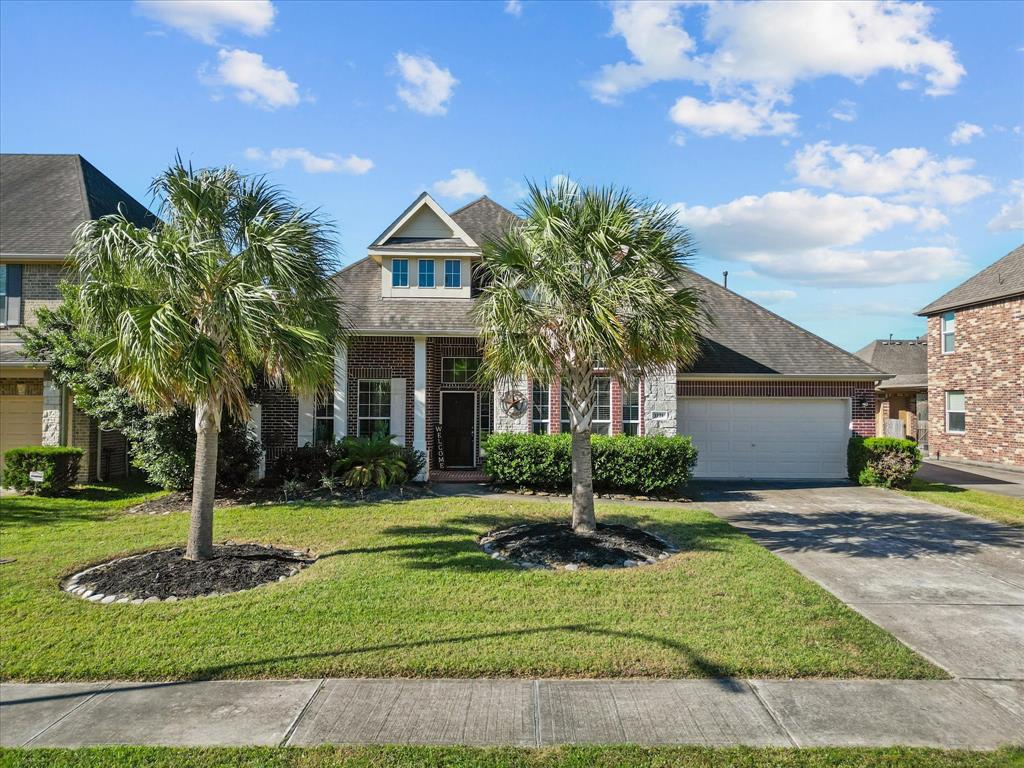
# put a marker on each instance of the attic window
(452, 273)
(400, 273)
(426, 273)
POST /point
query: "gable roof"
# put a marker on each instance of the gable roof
(906, 358)
(44, 197)
(1001, 280)
(454, 236)
(484, 219)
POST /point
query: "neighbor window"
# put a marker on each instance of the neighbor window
(426, 273)
(540, 399)
(956, 412)
(602, 421)
(948, 332)
(323, 425)
(400, 273)
(374, 408)
(631, 408)
(459, 370)
(452, 273)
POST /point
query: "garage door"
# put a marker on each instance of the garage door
(21, 421)
(784, 438)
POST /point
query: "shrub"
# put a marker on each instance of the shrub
(414, 460)
(886, 461)
(308, 464)
(59, 465)
(371, 461)
(632, 464)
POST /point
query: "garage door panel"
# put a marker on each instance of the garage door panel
(21, 422)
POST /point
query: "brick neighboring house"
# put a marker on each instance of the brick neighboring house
(976, 367)
(765, 399)
(902, 408)
(42, 199)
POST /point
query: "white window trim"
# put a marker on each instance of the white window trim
(457, 262)
(943, 333)
(639, 402)
(947, 412)
(408, 280)
(458, 357)
(546, 422)
(360, 418)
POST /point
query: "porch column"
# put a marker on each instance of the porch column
(659, 409)
(419, 414)
(51, 426)
(340, 392)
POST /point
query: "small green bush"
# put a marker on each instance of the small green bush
(371, 461)
(889, 462)
(627, 463)
(59, 465)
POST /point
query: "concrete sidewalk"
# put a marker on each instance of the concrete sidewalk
(804, 713)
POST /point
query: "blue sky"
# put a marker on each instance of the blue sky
(845, 163)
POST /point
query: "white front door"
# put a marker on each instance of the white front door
(761, 437)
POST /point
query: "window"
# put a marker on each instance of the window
(374, 407)
(485, 416)
(564, 419)
(948, 332)
(541, 408)
(602, 421)
(323, 423)
(956, 412)
(452, 273)
(400, 273)
(459, 370)
(631, 408)
(426, 273)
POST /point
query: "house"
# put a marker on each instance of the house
(765, 399)
(42, 199)
(976, 367)
(902, 407)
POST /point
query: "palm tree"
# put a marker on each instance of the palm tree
(590, 274)
(230, 284)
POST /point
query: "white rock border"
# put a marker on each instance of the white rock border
(72, 584)
(485, 544)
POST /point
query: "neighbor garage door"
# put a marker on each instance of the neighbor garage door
(21, 421)
(746, 437)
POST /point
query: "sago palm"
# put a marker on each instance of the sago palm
(230, 284)
(591, 275)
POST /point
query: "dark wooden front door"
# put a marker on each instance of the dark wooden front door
(458, 417)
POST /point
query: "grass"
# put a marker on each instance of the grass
(992, 506)
(467, 757)
(403, 590)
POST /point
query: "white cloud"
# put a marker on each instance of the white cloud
(427, 87)
(910, 174)
(1011, 214)
(206, 19)
(733, 118)
(462, 183)
(964, 133)
(812, 239)
(773, 296)
(311, 163)
(254, 82)
(514, 7)
(845, 111)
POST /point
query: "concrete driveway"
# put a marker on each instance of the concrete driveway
(1005, 483)
(949, 585)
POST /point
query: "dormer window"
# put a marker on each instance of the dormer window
(453, 273)
(400, 273)
(948, 332)
(426, 273)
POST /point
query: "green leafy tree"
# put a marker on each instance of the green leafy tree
(231, 283)
(590, 275)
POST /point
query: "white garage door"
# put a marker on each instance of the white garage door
(21, 421)
(748, 437)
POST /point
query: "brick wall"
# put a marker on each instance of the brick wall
(38, 289)
(279, 421)
(381, 357)
(861, 393)
(438, 348)
(988, 366)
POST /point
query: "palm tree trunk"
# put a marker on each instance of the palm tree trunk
(583, 520)
(204, 482)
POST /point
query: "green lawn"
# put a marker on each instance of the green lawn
(403, 590)
(1002, 509)
(469, 757)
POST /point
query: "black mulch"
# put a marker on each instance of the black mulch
(557, 545)
(164, 574)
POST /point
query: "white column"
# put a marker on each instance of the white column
(255, 429)
(51, 413)
(660, 403)
(340, 392)
(398, 411)
(307, 419)
(419, 413)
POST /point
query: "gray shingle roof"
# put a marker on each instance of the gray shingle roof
(44, 197)
(1001, 280)
(484, 219)
(438, 243)
(906, 358)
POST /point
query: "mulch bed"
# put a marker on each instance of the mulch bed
(166, 574)
(556, 545)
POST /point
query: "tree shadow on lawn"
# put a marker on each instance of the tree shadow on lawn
(76, 505)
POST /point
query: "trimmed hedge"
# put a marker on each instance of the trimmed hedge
(58, 463)
(631, 464)
(889, 462)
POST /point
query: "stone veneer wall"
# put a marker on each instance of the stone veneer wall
(988, 366)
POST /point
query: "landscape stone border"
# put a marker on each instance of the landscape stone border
(72, 585)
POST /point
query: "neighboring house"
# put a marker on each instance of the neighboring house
(902, 409)
(976, 367)
(42, 199)
(766, 399)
